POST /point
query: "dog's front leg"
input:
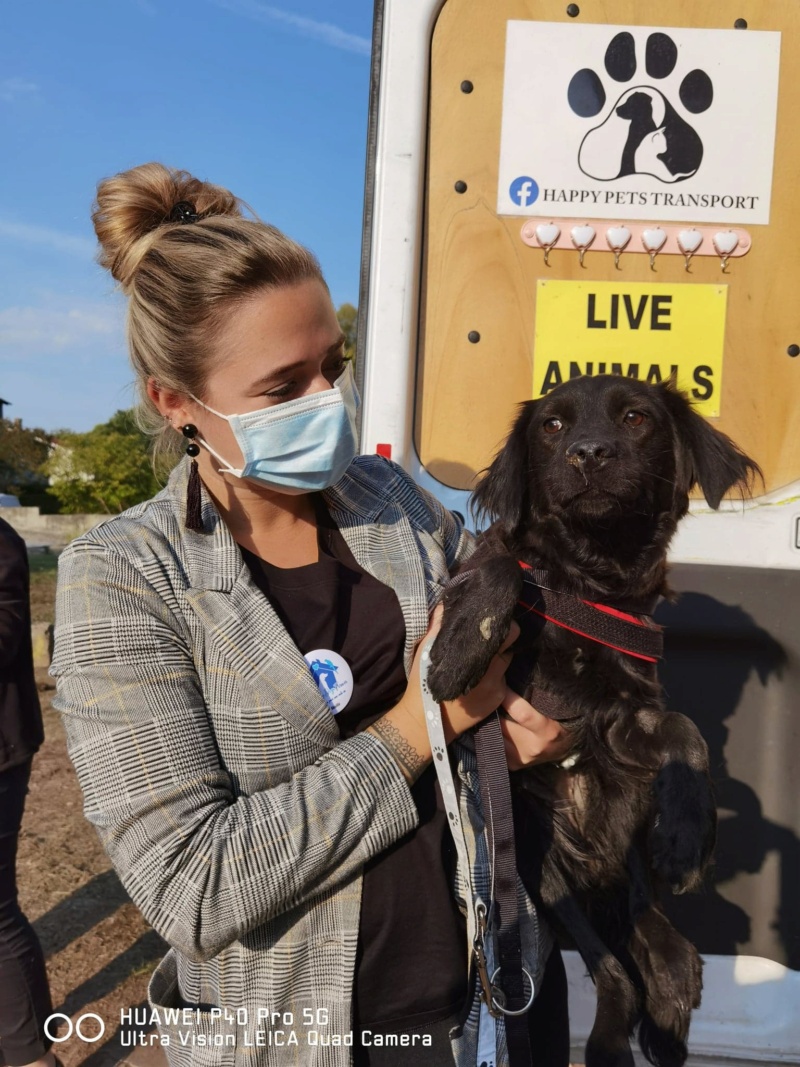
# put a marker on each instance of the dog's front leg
(683, 829)
(477, 615)
(672, 971)
(618, 1007)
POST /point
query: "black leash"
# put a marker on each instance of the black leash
(512, 987)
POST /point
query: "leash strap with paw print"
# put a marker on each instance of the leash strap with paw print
(482, 948)
(509, 998)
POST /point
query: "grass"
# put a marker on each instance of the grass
(43, 566)
(42, 563)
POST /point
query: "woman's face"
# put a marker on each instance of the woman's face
(278, 345)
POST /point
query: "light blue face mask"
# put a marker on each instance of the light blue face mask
(302, 446)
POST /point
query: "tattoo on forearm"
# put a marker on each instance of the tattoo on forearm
(411, 762)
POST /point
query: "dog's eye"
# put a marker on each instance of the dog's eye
(553, 425)
(633, 418)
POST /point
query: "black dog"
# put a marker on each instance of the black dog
(586, 494)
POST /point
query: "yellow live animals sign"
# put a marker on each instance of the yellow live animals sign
(642, 330)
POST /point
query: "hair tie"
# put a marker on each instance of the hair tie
(183, 212)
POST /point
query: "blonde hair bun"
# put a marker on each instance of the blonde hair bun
(183, 280)
(133, 208)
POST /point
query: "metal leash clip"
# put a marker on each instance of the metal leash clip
(479, 952)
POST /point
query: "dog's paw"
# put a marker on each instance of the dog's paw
(599, 1055)
(477, 615)
(461, 655)
(684, 827)
(617, 1011)
(453, 672)
(678, 863)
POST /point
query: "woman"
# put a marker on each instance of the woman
(237, 672)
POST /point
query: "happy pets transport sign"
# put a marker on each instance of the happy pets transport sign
(638, 122)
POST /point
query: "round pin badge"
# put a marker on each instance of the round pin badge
(333, 676)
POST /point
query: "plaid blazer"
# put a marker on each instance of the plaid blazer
(213, 770)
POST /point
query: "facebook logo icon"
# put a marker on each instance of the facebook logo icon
(524, 191)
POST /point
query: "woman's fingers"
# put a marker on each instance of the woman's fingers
(531, 737)
(511, 636)
(512, 740)
(435, 621)
(519, 709)
(525, 748)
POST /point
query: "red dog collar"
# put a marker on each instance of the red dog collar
(630, 634)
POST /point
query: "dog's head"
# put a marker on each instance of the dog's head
(600, 449)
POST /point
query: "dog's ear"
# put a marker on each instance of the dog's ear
(705, 456)
(503, 493)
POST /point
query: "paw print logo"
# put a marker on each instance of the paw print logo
(642, 133)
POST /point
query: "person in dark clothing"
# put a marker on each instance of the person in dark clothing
(24, 992)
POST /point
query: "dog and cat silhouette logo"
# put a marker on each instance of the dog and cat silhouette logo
(642, 132)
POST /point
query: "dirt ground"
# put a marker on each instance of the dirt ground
(99, 950)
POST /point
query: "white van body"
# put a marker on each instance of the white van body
(751, 1005)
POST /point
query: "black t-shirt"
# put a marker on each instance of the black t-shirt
(411, 961)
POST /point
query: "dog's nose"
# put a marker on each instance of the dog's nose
(591, 452)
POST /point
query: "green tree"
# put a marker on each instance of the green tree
(348, 320)
(107, 469)
(23, 453)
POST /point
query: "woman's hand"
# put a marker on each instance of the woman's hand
(403, 729)
(529, 736)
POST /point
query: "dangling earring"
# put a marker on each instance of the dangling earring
(194, 515)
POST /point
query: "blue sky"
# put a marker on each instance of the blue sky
(269, 100)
